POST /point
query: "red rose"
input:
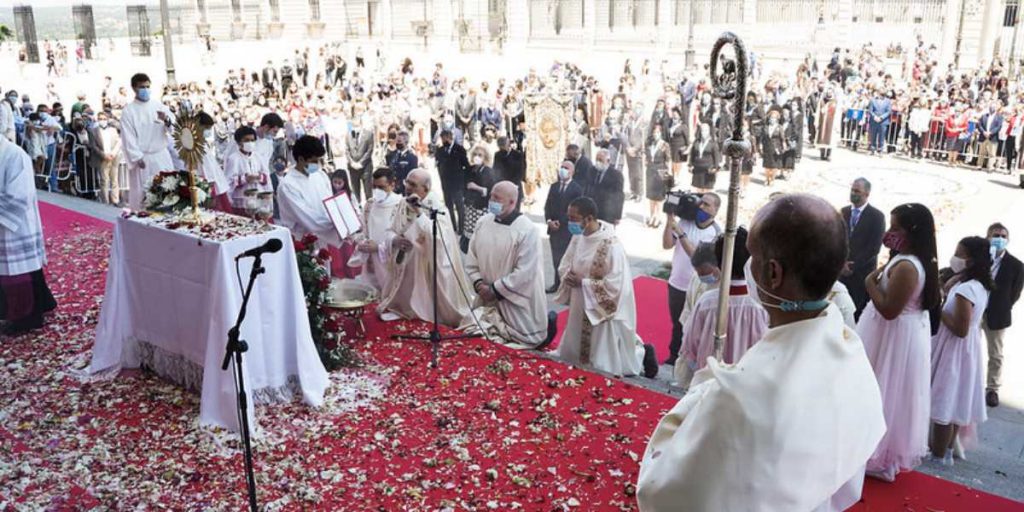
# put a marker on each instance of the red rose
(309, 239)
(323, 254)
(331, 325)
(325, 282)
(299, 246)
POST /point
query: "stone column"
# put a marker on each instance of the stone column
(949, 27)
(991, 25)
(749, 12)
(518, 16)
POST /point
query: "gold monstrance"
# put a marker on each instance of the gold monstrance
(191, 146)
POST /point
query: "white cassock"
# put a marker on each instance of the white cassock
(211, 170)
(601, 331)
(787, 428)
(144, 138)
(748, 321)
(21, 230)
(377, 219)
(410, 292)
(509, 256)
(237, 166)
(300, 198)
(840, 296)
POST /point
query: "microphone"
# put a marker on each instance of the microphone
(271, 246)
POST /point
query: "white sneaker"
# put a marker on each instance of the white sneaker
(947, 460)
(388, 316)
(958, 449)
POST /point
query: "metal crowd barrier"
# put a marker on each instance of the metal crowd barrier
(73, 173)
(932, 144)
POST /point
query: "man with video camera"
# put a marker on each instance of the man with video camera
(695, 225)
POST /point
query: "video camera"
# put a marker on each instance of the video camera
(682, 204)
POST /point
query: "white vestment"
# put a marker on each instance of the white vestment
(509, 256)
(212, 172)
(144, 138)
(787, 428)
(300, 198)
(377, 219)
(237, 166)
(7, 128)
(601, 331)
(410, 292)
(21, 230)
(840, 296)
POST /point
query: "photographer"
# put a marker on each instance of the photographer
(695, 225)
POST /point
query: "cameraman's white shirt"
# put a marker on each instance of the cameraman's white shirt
(682, 269)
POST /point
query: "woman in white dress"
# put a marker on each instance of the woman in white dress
(958, 387)
(897, 337)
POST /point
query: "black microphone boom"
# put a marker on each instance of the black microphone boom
(271, 246)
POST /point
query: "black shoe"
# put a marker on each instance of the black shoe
(650, 362)
(992, 398)
(552, 331)
(671, 361)
(22, 326)
(554, 287)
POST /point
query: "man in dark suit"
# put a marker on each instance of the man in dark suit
(633, 147)
(1008, 274)
(269, 77)
(606, 188)
(556, 213)
(453, 167)
(988, 133)
(401, 161)
(865, 226)
(510, 164)
(880, 112)
(360, 160)
(583, 168)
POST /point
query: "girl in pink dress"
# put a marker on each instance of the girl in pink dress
(897, 338)
(958, 387)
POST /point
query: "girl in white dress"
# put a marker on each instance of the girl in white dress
(958, 387)
(896, 334)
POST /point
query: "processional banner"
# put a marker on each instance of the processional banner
(547, 134)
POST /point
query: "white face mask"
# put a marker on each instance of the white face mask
(601, 166)
(957, 264)
(208, 133)
(478, 160)
(379, 195)
(786, 305)
(248, 146)
(563, 174)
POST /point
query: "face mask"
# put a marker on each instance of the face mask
(44, 116)
(708, 279)
(957, 264)
(495, 208)
(789, 306)
(143, 94)
(601, 166)
(379, 195)
(893, 241)
(999, 244)
(575, 228)
(103, 124)
(279, 166)
(312, 168)
(856, 198)
(478, 160)
(208, 133)
(563, 173)
(703, 216)
(248, 146)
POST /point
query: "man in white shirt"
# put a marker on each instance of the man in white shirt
(145, 126)
(302, 191)
(248, 174)
(683, 237)
(107, 143)
(7, 116)
(791, 425)
(378, 214)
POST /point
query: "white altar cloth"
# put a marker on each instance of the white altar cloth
(170, 300)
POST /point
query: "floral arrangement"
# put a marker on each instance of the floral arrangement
(316, 280)
(169, 191)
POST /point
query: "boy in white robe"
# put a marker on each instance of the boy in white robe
(597, 286)
(24, 296)
(504, 264)
(210, 169)
(378, 214)
(301, 192)
(248, 174)
(792, 424)
(145, 128)
(410, 250)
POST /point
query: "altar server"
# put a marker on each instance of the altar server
(504, 264)
(210, 169)
(597, 285)
(410, 252)
(302, 191)
(248, 173)
(747, 320)
(145, 128)
(378, 214)
(24, 296)
(790, 426)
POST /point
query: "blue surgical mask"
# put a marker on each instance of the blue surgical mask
(703, 216)
(575, 228)
(789, 306)
(563, 173)
(44, 116)
(495, 208)
(312, 168)
(999, 244)
(143, 94)
(708, 279)
(279, 166)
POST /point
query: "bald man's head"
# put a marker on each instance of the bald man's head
(505, 193)
(798, 242)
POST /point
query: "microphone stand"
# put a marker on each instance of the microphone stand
(435, 338)
(236, 347)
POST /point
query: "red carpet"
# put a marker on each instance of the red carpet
(652, 322)
(491, 429)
